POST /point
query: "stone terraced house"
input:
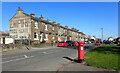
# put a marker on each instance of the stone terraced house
(25, 26)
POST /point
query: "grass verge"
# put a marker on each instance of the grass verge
(37, 46)
(105, 56)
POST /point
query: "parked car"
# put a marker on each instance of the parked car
(75, 43)
(62, 44)
(86, 42)
(97, 43)
(70, 43)
(89, 42)
(107, 42)
(101, 42)
(93, 42)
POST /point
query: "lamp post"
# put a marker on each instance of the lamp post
(29, 32)
(102, 34)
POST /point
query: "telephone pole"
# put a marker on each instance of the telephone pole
(102, 34)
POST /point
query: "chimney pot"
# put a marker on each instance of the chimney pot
(58, 24)
(48, 20)
(41, 17)
(32, 14)
(73, 28)
(54, 22)
(20, 10)
(66, 26)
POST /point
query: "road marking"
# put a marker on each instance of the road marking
(13, 57)
(44, 52)
(25, 56)
(53, 52)
(17, 59)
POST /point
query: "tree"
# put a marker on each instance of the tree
(89, 37)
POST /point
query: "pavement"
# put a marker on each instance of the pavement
(79, 67)
(49, 59)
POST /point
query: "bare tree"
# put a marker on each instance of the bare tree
(89, 36)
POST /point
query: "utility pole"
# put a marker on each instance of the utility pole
(29, 33)
(102, 34)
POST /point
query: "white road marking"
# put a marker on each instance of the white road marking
(44, 52)
(25, 56)
(52, 52)
(13, 57)
(17, 59)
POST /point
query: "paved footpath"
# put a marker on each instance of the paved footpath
(79, 67)
(72, 66)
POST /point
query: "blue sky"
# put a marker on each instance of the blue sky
(88, 17)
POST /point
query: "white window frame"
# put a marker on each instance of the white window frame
(46, 36)
(41, 37)
(45, 26)
(36, 36)
(53, 37)
(53, 27)
(36, 24)
(63, 30)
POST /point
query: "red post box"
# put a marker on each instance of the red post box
(81, 51)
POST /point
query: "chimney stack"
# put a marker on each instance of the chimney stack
(54, 22)
(20, 10)
(32, 14)
(41, 17)
(66, 26)
(48, 20)
(58, 24)
(73, 28)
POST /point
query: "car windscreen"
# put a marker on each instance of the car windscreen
(97, 42)
(61, 42)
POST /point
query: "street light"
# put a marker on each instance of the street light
(102, 34)
(29, 31)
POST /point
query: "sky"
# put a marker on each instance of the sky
(87, 17)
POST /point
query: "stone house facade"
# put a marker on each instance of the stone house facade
(25, 26)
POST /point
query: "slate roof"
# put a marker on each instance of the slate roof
(45, 21)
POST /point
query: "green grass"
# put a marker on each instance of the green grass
(105, 56)
(32, 46)
(37, 46)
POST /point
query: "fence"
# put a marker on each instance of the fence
(11, 46)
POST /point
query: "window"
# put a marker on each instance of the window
(36, 24)
(26, 25)
(35, 36)
(64, 30)
(46, 36)
(45, 26)
(53, 28)
(53, 37)
(19, 21)
(22, 25)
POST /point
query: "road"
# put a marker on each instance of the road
(39, 60)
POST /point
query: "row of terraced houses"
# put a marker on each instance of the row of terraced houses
(24, 26)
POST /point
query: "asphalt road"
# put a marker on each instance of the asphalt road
(40, 60)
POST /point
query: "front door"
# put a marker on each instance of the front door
(56, 39)
(3, 40)
(49, 38)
